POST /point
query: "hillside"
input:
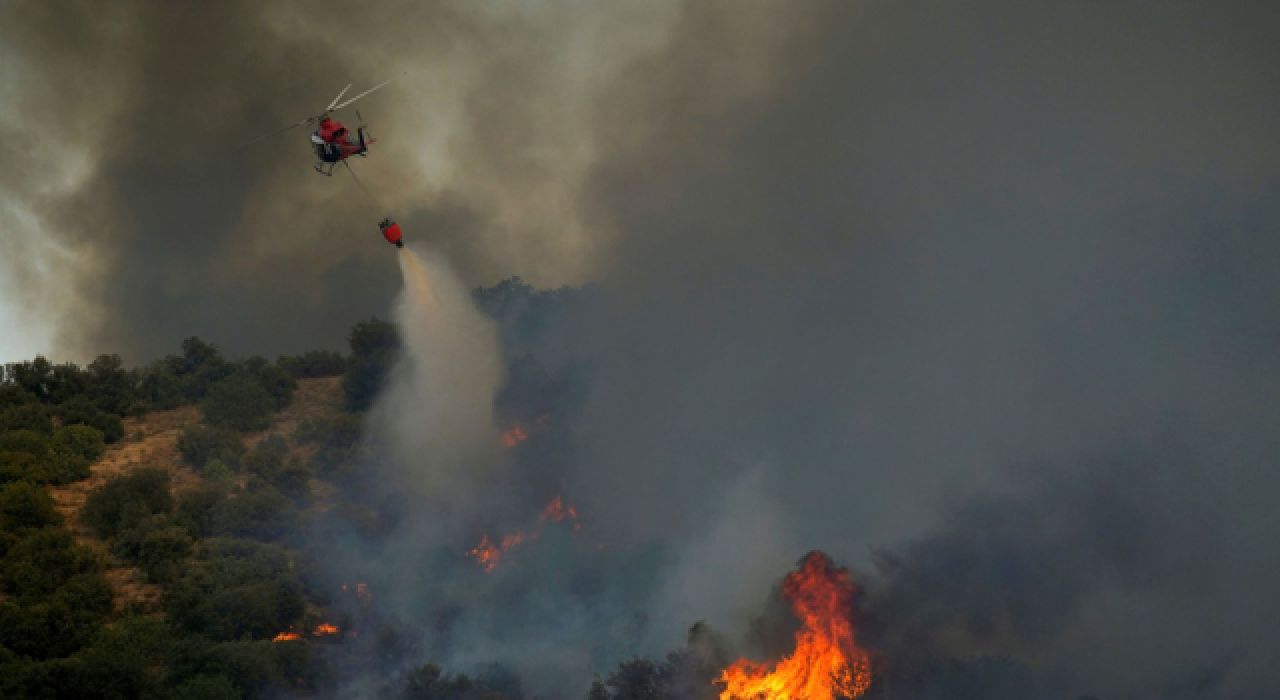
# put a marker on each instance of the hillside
(151, 440)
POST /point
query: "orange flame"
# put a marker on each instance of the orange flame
(514, 436)
(827, 662)
(487, 553)
(286, 637)
(325, 628)
(517, 433)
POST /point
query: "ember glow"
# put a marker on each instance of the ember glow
(488, 553)
(286, 637)
(517, 433)
(325, 628)
(514, 436)
(827, 662)
(556, 511)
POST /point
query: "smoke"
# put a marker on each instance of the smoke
(439, 400)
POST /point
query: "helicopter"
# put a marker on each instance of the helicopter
(332, 142)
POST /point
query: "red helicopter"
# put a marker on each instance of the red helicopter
(331, 141)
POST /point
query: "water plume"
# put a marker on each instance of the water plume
(436, 413)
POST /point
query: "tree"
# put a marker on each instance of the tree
(238, 402)
(375, 346)
(125, 501)
(80, 410)
(200, 445)
(80, 441)
(26, 505)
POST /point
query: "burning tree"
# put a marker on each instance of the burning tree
(827, 662)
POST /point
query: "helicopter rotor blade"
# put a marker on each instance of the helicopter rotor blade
(335, 100)
(304, 122)
(366, 92)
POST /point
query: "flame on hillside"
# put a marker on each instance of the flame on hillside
(489, 552)
(827, 663)
(518, 433)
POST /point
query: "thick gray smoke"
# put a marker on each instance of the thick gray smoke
(987, 287)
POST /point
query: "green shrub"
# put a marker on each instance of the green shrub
(313, 364)
(275, 379)
(375, 346)
(79, 441)
(267, 459)
(15, 466)
(240, 589)
(125, 501)
(59, 469)
(294, 481)
(157, 546)
(37, 565)
(79, 410)
(199, 445)
(238, 402)
(26, 505)
(195, 509)
(25, 440)
(208, 687)
(258, 512)
(339, 431)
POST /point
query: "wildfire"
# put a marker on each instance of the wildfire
(518, 434)
(556, 511)
(514, 436)
(325, 628)
(488, 552)
(827, 662)
(286, 637)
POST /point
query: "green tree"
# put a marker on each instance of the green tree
(375, 346)
(201, 444)
(79, 441)
(125, 501)
(238, 402)
(80, 410)
(26, 505)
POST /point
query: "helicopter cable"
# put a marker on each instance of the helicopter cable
(372, 198)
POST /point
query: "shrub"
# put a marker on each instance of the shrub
(267, 459)
(238, 403)
(125, 501)
(375, 346)
(196, 507)
(314, 364)
(339, 431)
(59, 469)
(294, 481)
(27, 417)
(207, 687)
(276, 380)
(28, 441)
(241, 589)
(259, 512)
(42, 562)
(199, 445)
(15, 466)
(79, 441)
(81, 411)
(161, 553)
(26, 505)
